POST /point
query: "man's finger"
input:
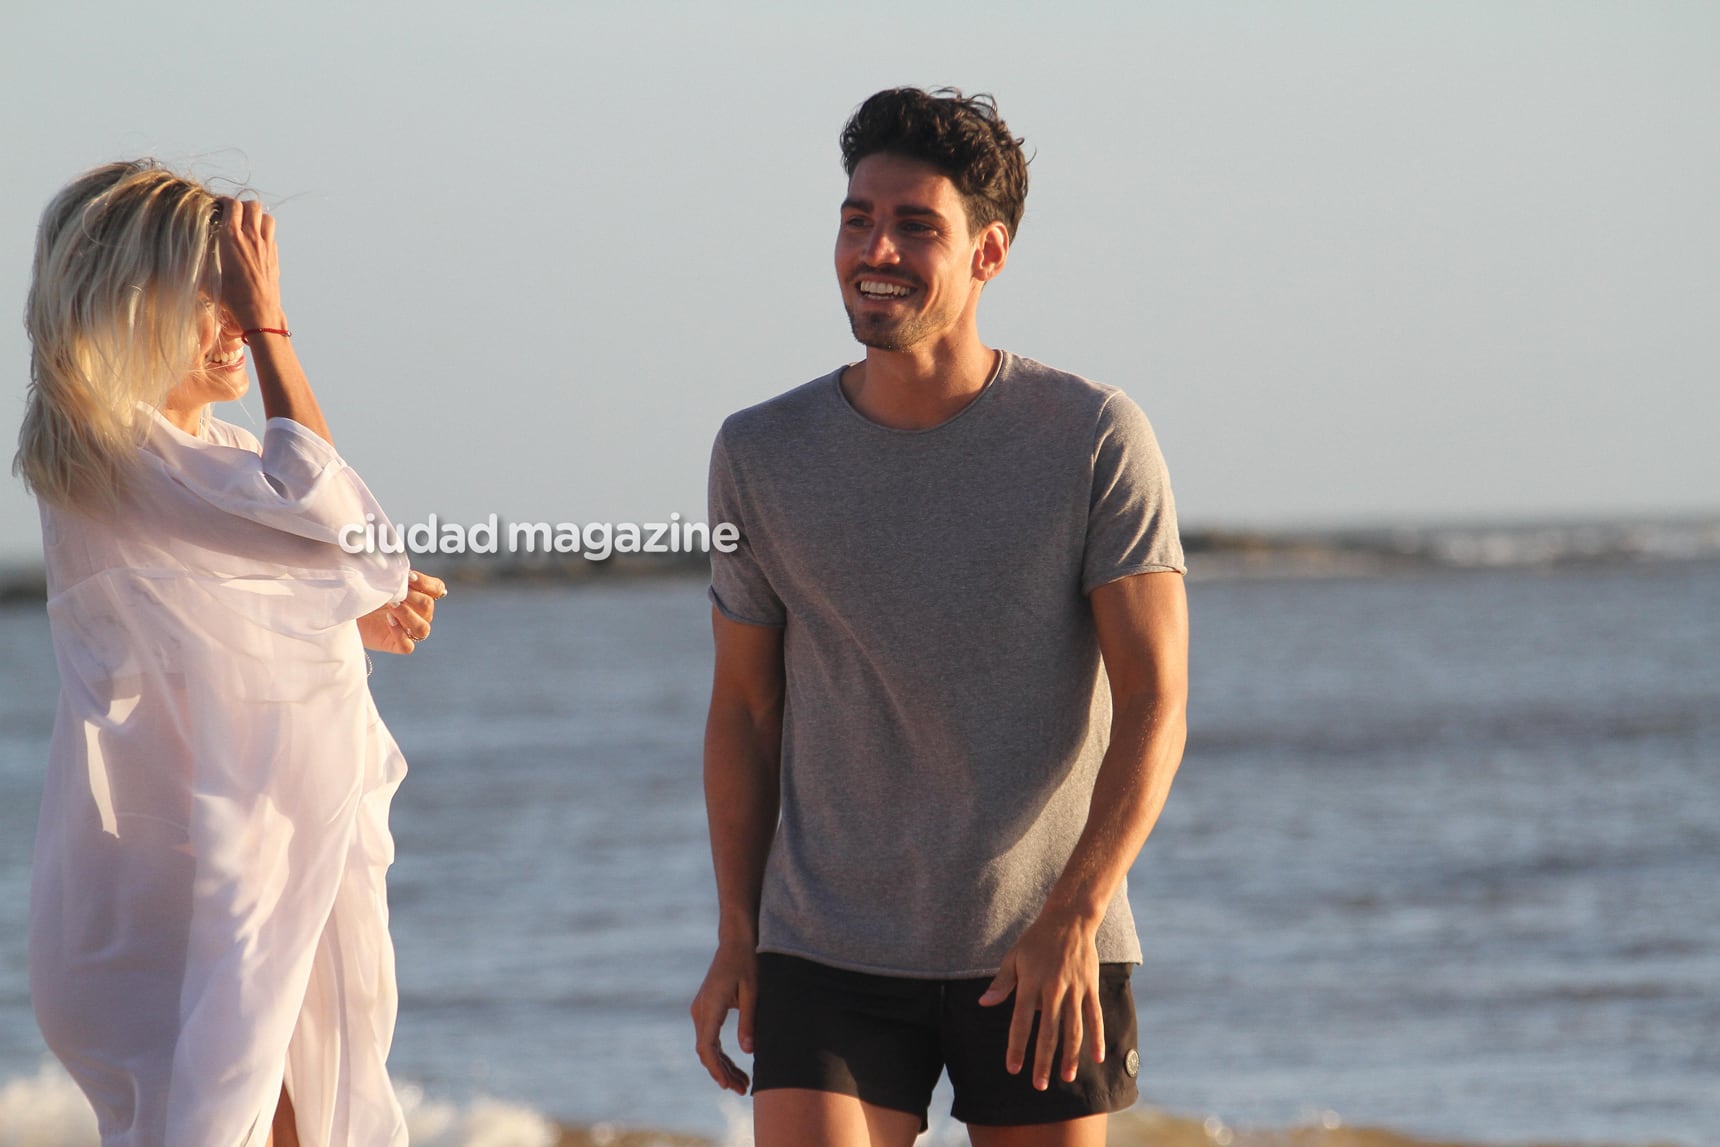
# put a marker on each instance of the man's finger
(746, 1000)
(737, 1079)
(721, 1068)
(1045, 1047)
(1020, 1027)
(708, 1057)
(1095, 1027)
(708, 1039)
(1001, 984)
(1072, 1033)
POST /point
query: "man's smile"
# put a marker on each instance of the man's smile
(884, 289)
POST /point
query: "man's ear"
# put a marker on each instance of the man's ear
(991, 251)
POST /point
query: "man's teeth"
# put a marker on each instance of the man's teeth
(881, 289)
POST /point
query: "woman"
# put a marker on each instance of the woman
(209, 953)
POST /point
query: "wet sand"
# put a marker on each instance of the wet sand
(1142, 1127)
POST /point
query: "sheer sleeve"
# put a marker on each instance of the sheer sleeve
(280, 514)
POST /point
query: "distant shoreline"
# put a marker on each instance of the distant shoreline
(1213, 554)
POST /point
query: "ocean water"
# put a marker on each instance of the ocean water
(1444, 858)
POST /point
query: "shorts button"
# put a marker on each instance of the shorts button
(1132, 1063)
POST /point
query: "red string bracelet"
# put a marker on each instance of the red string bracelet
(245, 336)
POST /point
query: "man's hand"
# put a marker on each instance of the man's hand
(399, 628)
(1053, 970)
(731, 984)
(743, 780)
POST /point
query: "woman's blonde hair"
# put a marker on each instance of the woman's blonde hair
(113, 322)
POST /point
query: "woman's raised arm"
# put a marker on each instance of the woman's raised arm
(251, 293)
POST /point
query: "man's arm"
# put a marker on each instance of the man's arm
(743, 761)
(1054, 968)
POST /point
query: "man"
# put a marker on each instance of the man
(924, 796)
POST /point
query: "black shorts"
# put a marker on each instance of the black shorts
(886, 1039)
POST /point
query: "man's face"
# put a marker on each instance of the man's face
(904, 256)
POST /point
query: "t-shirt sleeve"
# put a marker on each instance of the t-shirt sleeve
(1131, 517)
(740, 589)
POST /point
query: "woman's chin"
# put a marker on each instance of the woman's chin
(209, 386)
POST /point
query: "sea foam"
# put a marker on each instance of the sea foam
(45, 1110)
(48, 1110)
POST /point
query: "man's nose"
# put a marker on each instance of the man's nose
(880, 249)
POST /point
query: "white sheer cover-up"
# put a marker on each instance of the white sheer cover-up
(208, 916)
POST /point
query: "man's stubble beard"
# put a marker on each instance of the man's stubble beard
(888, 336)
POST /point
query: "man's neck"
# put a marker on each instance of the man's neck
(921, 387)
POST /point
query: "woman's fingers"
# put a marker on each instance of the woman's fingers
(240, 217)
(422, 603)
(422, 594)
(250, 269)
(381, 630)
(398, 628)
(425, 583)
(414, 625)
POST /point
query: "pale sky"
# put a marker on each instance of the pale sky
(1359, 262)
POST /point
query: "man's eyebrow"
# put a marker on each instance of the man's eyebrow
(915, 209)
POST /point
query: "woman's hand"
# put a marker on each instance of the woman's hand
(251, 301)
(250, 264)
(399, 628)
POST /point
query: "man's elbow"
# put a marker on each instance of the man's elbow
(1151, 715)
(1147, 691)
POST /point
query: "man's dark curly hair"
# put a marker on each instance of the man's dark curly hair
(961, 136)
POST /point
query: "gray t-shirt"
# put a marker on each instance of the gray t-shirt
(945, 712)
